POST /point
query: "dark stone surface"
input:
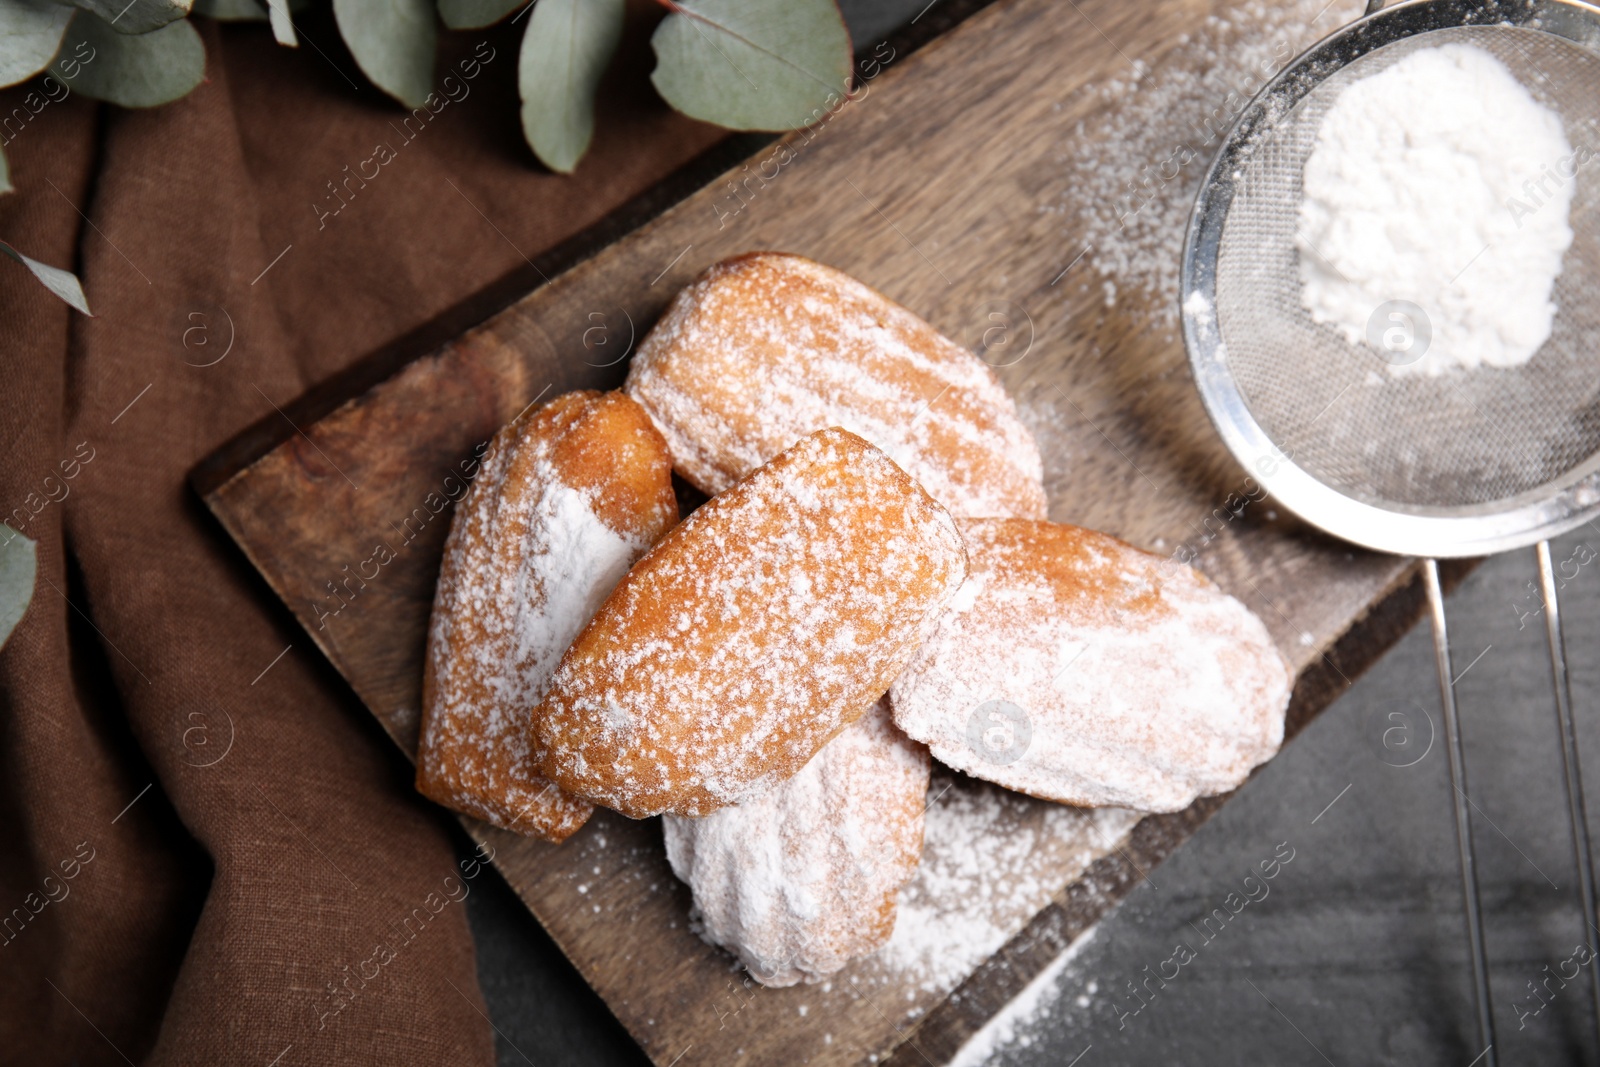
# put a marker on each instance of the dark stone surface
(544, 1013)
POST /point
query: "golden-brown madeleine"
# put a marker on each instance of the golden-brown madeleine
(805, 878)
(765, 623)
(765, 348)
(567, 497)
(1074, 667)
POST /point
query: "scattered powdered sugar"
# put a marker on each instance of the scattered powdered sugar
(766, 348)
(1134, 166)
(1075, 667)
(1412, 194)
(991, 859)
(1014, 1023)
(803, 879)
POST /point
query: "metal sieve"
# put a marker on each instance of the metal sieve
(1463, 464)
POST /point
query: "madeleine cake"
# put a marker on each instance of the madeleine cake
(1074, 667)
(805, 878)
(566, 498)
(765, 623)
(766, 348)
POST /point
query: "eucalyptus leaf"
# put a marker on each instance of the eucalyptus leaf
(231, 10)
(134, 16)
(753, 64)
(30, 35)
(282, 24)
(565, 50)
(144, 71)
(19, 568)
(393, 42)
(63, 283)
(476, 14)
(275, 11)
(242, 10)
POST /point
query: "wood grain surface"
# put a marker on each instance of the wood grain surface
(928, 186)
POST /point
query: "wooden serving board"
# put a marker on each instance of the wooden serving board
(929, 187)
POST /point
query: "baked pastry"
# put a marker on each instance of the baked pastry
(1074, 667)
(765, 623)
(567, 496)
(804, 878)
(765, 348)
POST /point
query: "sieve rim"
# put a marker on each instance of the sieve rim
(1477, 530)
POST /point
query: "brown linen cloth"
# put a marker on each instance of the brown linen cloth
(215, 855)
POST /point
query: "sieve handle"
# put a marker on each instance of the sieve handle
(1458, 782)
(1373, 7)
(1577, 813)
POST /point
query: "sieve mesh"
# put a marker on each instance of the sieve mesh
(1415, 444)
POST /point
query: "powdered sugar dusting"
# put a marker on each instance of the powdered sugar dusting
(991, 859)
(803, 879)
(1014, 1023)
(565, 581)
(1077, 668)
(766, 348)
(1135, 165)
(761, 626)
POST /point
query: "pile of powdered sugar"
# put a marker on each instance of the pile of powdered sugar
(1435, 181)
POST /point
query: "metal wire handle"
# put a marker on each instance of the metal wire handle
(1458, 783)
(1572, 772)
(1578, 814)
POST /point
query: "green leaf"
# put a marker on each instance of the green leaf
(753, 64)
(30, 35)
(5, 176)
(476, 14)
(134, 16)
(275, 11)
(144, 71)
(393, 42)
(282, 24)
(247, 11)
(19, 567)
(564, 51)
(63, 283)
(231, 10)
